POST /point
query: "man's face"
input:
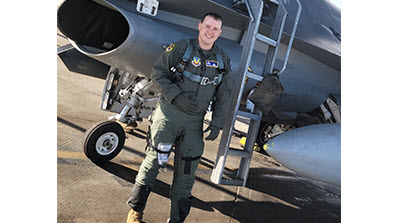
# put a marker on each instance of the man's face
(209, 31)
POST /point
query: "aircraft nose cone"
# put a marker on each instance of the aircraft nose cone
(313, 151)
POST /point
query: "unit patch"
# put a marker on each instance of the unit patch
(170, 47)
(196, 61)
(212, 63)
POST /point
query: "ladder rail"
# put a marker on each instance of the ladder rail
(275, 34)
(237, 96)
(249, 9)
(244, 166)
(255, 9)
(292, 37)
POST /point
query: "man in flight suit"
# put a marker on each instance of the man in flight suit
(187, 86)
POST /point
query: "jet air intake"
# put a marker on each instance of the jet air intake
(105, 32)
(114, 33)
(99, 28)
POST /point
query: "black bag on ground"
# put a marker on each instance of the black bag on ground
(267, 92)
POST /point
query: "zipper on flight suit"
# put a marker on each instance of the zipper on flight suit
(202, 69)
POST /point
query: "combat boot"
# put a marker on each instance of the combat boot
(134, 216)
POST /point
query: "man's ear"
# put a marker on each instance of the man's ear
(199, 24)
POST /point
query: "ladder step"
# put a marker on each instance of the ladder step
(254, 76)
(239, 152)
(64, 48)
(255, 9)
(247, 115)
(232, 182)
(266, 40)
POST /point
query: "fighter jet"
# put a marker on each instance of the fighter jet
(130, 35)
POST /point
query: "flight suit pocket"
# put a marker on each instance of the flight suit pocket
(205, 95)
(188, 87)
(189, 151)
(189, 162)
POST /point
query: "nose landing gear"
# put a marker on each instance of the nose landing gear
(103, 141)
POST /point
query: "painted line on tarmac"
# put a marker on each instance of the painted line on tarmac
(124, 159)
(71, 155)
(120, 159)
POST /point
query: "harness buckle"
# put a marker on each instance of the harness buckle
(183, 62)
(215, 81)
(204, 81)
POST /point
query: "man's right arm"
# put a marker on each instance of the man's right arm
(161, 73)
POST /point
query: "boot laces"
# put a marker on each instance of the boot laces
(137, 215)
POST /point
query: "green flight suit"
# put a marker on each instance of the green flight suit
(172, 124)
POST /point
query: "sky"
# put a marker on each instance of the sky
(336, 3)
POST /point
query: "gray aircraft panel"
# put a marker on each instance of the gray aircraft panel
(318, 32)
(307, 80)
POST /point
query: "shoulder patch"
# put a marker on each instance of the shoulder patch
(196, 61)
(170, 47)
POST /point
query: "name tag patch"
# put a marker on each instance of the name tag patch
(212, 63)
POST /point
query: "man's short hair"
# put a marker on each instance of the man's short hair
(214, 15)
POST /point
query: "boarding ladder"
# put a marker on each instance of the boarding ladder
(255, 9)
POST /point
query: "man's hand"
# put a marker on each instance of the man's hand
(185, 103)
(214, 131)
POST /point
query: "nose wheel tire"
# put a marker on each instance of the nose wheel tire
(103, 141)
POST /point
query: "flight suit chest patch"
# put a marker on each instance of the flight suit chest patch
(212, 63)
(196, 61)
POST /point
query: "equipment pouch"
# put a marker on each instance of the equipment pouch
(163, 153)
(267, 93)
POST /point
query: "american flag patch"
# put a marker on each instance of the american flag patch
(212, 63)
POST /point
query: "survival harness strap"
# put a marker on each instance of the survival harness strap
(149, 144)
(180, 69)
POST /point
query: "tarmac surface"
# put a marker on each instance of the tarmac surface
(88, 193)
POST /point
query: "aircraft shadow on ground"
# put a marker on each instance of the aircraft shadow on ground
(138, 133)
(295, 200)
(317, 202)
(290, 199)
(82, 64)
(310, 198)
(129, 175)
(63, 121)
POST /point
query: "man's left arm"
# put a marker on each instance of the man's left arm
(223, 98)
